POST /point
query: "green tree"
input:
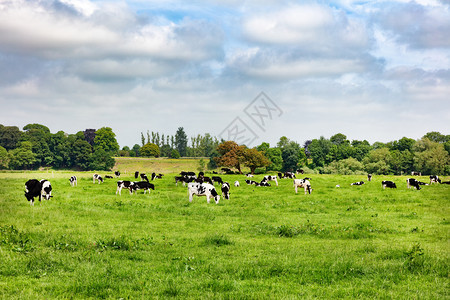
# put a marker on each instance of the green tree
(4, 158)
(101, 160)
(22, 157)
(150, 149)
(10, 137)
(136, 150)
(274, 155)
(165, 150)
(431, 158)
(377, 161)
(319, 150)
(81, 154)
(174, 154)
(292, 156)
(105, 139)
(255, 159)
(39, 136)
(360, 149)
(181, 141)
(436, 137)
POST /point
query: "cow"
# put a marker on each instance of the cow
(357, 183)
(289, 175)
(303, 183)
(300, 171)
(226, 170)
(411, 182)
(236, 183)
(142, 185)
(123, 184)
(35, 188)
(263, 183)
(108, 176)
(369, 177)
(250, 182)
(201, 180)
(203, 189)
(73, 181)
(201, 174)
(434, 179)
(216, 179)
(136, 174)
(98, 178)
(144, 177)
(117, 173)
(154, 176)
(179, 178)
(249, 175)
(226, 190)
(445, 182)
(388, 184)
(280, 175)
(270, 178)
(414, 173)
(183, 173)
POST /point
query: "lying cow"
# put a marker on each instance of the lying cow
(411, 182)
(117, 173)
(302, 183)
(98, 178)
(434, 179)
(203, 189)
(250, 182)
(35, 188)
(226, 190)
(388, 184)
(123, 184)
(73, 181)
(141, 185)
(236, 183)
(357, 183)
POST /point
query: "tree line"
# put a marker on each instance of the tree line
(35, 146)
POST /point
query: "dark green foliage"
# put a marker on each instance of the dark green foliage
(10, 136)
(181, 141)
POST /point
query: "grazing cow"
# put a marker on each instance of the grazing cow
(236, 183)
(142, 185)
(136, 174)
(117, 173)
(201, 180)
(249, 175)
(226, 190)
(217, 179)
(445, 182)
(434, 179)
(414, 173)
(183, 173)
(36, 188)
(388, 184)
(411, 182)
(203, 189)
(303, 183)
(144, 177)
(108, 176)
(201, 174)
(369, 177)
(289, 175)
(123, 184)
(98, 178)
(280, 175)
(357, 183)
(270, 178)
(179, 178)
(300, 171)
(263, 183)
(73, 181)
(154, 176)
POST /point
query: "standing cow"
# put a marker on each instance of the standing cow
(35, 188)
(302, 183)
(203, 189)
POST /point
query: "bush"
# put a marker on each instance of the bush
(175, 154)
(150, 149)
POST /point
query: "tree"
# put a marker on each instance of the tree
(39, 136)
(360, 149)
(431, 158)
(319, 150)
(150, 149)
(436, 137)
(292, 155)
(377, 161)
(181, 141)
(276, 160)
(174, 154)
(22, 157)
(136, 150)
(105, 138)
(101, 160)
(4, 158)
(81, 154)
(255, 159)
(230, 155)
(10, 136)
(282, 142)
(339, 139)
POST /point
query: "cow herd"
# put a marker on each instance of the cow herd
(202, 185)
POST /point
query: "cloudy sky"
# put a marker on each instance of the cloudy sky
(248, 70)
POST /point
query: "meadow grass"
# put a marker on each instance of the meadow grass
(263, 243)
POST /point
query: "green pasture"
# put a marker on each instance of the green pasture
(350, 242)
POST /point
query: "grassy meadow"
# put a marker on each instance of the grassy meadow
(263, 243)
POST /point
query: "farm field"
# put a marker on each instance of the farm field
(263, 243)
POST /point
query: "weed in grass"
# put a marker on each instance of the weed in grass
(15, 240)
(415, 258)
(217, 240)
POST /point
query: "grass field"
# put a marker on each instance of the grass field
(263, 243)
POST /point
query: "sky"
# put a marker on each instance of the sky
(248, 70)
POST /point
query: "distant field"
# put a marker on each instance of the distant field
(264, 243)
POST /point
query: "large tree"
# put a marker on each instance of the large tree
(255, 159)
(230, 155)
(105, 138)
(10, 136)
(150, 149)
(181, 141)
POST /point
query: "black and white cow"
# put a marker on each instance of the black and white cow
(123, 184)
(263, 183)
(136, 174)
(156, 176)
(369, 177)
(434, 179)
(202, 179)
(250, 182)
(141, 185)
(144, 177)
(445, 182)
(357, 183)
(217, 179)
(411, 182)
(300, 171)
(203, 189)
(289, 175)
(98, 178)
(270, 178)
(73, 181)
(35, 188)
(183, 173)
(236, 183)
(249, 175)
(226, 190)
(388, 184)
(117, 173)
(414, 173)
(108, 176)
(302, 183)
